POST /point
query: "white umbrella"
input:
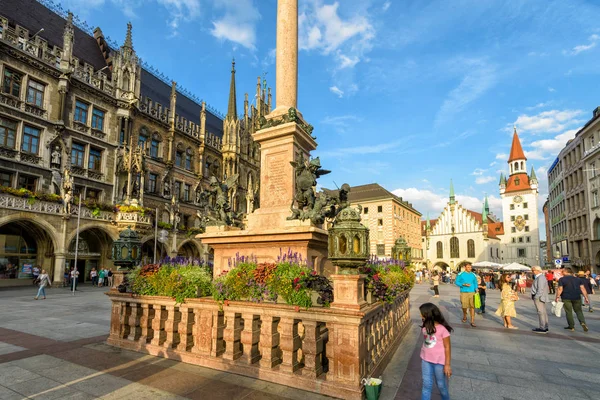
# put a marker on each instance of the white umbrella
(515, 267)
(486, 264)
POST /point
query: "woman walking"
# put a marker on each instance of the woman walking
(522, 283)
(436, 284)
(507, 303)
(436, 351)
(44, 280)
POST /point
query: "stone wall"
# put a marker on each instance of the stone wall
(323, 350)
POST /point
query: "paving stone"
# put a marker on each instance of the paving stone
(559, 389)
(67, 372)
(10, 375)
(100, 385)
(7, 394)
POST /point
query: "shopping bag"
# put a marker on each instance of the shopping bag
(557, 308)
(372, 388)
(477, 300)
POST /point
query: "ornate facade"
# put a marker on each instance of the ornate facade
(83, 117)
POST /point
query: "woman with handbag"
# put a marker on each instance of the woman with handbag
(507, 303)
(44, 280)
(436, 284)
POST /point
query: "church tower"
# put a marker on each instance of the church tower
(519, 193)
(231, 131)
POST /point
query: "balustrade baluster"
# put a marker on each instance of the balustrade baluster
(313, 347)
(146, 323)
(290, 343)
(135, 330)
(269, 342)
(124, 318)
(158, 325)
(116, 325)
(186, 329)
(250, 337)
(217, 332)
(204, 331)
(171, 325)
(232, 335)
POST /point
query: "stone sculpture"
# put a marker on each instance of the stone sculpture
(307, 173)
(67, 192)
(56, 156)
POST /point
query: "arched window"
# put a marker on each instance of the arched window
(516, 166)
(125, 86)
(155, 145)
(522, 165)
(188, 158)
(454, 251)
(471, 248)
(440, 250)
(597, 228)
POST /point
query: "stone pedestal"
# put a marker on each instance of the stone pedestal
(348, 292)
(118, 278)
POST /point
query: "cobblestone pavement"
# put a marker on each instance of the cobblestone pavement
(493, 363)
(54, 349)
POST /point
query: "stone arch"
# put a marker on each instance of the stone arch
(162, 250)
(113, 234)
(189, 248)
(441, 266)
(37, 221)
(462, 264)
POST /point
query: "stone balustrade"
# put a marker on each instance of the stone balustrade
(90, 214)
(22, 203)
(134, 217)
(323, 350)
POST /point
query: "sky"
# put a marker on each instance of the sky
(405, 93)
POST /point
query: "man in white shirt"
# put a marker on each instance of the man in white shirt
(74, 277)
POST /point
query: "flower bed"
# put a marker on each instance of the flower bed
(31, 196)
(386, 279)
(179, 278)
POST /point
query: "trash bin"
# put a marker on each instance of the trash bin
(373, 388)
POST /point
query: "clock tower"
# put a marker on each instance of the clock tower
(519, 193)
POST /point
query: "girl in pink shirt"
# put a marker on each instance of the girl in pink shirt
(436, 351)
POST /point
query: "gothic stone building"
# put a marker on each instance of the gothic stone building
(82, 117)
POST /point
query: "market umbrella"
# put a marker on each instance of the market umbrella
(486, 264)
(515, 267)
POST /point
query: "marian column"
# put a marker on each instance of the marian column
(286, 57)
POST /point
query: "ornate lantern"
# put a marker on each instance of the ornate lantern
(348, 241)
(402, 251)
(127, 249)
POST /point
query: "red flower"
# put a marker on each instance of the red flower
(296, 280)
(297, 308)
(302, 273)
(227, 303)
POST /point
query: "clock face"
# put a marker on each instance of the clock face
(519, 223)
(518, 199)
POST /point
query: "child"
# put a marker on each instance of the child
(435, 353)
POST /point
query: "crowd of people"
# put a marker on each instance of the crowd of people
(570, 290)
(99, 278)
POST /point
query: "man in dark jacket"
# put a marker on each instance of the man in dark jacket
(585, 282)
(570, 291)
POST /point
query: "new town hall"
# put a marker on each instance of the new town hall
(83, 117)
(460, 235)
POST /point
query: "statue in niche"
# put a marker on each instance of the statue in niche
(67, 192)
(55, 158)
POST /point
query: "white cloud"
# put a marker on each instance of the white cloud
(429, 202)
(480, 180)
(547, 121)
(341, 123)
(502, 156)
(322, 28)
(493, 163)
(592, 42)
(540, 105)
(546, 148)
(386, 6)
(478, 172)
(551, 89)
(337, 91)
(479, 77)
(238, 24)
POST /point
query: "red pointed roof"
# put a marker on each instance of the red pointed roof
(516, 151)
(517, 182)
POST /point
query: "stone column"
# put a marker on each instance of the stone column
(348, 292)
(59, 268)
(287, 56)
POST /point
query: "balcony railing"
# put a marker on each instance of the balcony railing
(26, 204)
(134, 217)
(14, 102)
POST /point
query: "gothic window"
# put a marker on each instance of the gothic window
(188, 159)
(6, 178)
(95, 159)
(186, 192)
(471, 248)
(98, 119)
(12, 82)
(81, 111)
(179, 158)
(8, 129)
(454, 251)
(27, 182)
(154, 146)
(77, 154)
(126, 80)
(35, 93)
(31, 140)
(440, 250)
(207, 167)
(142, 139)
(152, 179)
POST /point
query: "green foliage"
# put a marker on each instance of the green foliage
(194, 231)
(164, 225)
(31, 196)
(386, 280)
(172, 280)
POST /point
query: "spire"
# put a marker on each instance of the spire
(501, 178)
(486, 211)
(232, 106)
(516, 151)
(532, 176)
(452, 197)
(128, 42)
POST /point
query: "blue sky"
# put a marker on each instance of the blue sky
(408, 94)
